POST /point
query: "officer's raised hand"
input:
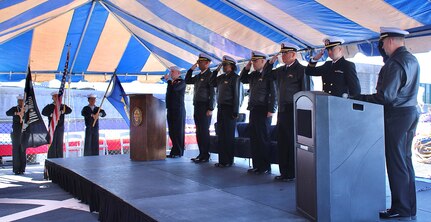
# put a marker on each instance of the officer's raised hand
(319, 55)
(248, 66)
(219, 66)
(274, 58)
(194, 66)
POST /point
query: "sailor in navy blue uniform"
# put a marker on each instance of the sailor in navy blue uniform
(176, 111)
(339, 75)
(290, 79)
(55, 150)
(18, 153)
(262, 105)
(397, 89)
(203, 102)
(228, 103)
(89, 112)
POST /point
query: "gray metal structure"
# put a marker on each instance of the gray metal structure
(340, 162)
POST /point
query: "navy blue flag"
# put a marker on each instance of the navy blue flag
(33, 129)
(118, 98)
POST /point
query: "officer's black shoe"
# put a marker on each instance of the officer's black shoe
(201, 160)
(195, 158)
(263, 172)
(223, 165)
(252, 170)
(390, 214)
(17, 173)
(172, 156)
(283, 178)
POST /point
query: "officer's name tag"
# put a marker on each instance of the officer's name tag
(226, 82)
(339, 71)
(202, 80)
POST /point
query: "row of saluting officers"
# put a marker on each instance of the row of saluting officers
(396, 90)
(268, 88)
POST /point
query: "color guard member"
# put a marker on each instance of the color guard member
(19, 159)
(89, 112)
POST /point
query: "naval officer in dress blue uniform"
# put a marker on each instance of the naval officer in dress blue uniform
(228, 103)
(262, 104)
(290, 79)
(176, 111)
(339, 75)
(397, 89)
(203, 103)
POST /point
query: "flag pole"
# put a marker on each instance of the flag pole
(104, 97)
(68, 51)
(24, 98)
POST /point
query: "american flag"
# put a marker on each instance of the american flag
(57, 112)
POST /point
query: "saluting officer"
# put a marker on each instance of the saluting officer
(397, 89)
(203, 102)
(339, 75)
(228, 99)
(176, 111)
(89, 112)
(262, 105)
(290, 79)
(19, 159)
(55, 150)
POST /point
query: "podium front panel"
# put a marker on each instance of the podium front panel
(147, 128)
(340, 168)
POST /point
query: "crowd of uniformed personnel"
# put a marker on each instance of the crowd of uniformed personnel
(272, 89)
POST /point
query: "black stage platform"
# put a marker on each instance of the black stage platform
(173, 190)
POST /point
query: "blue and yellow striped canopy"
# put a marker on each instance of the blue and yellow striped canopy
(147, 36)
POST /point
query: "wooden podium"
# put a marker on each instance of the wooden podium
(147, 128)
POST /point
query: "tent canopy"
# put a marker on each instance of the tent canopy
(147, 36)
